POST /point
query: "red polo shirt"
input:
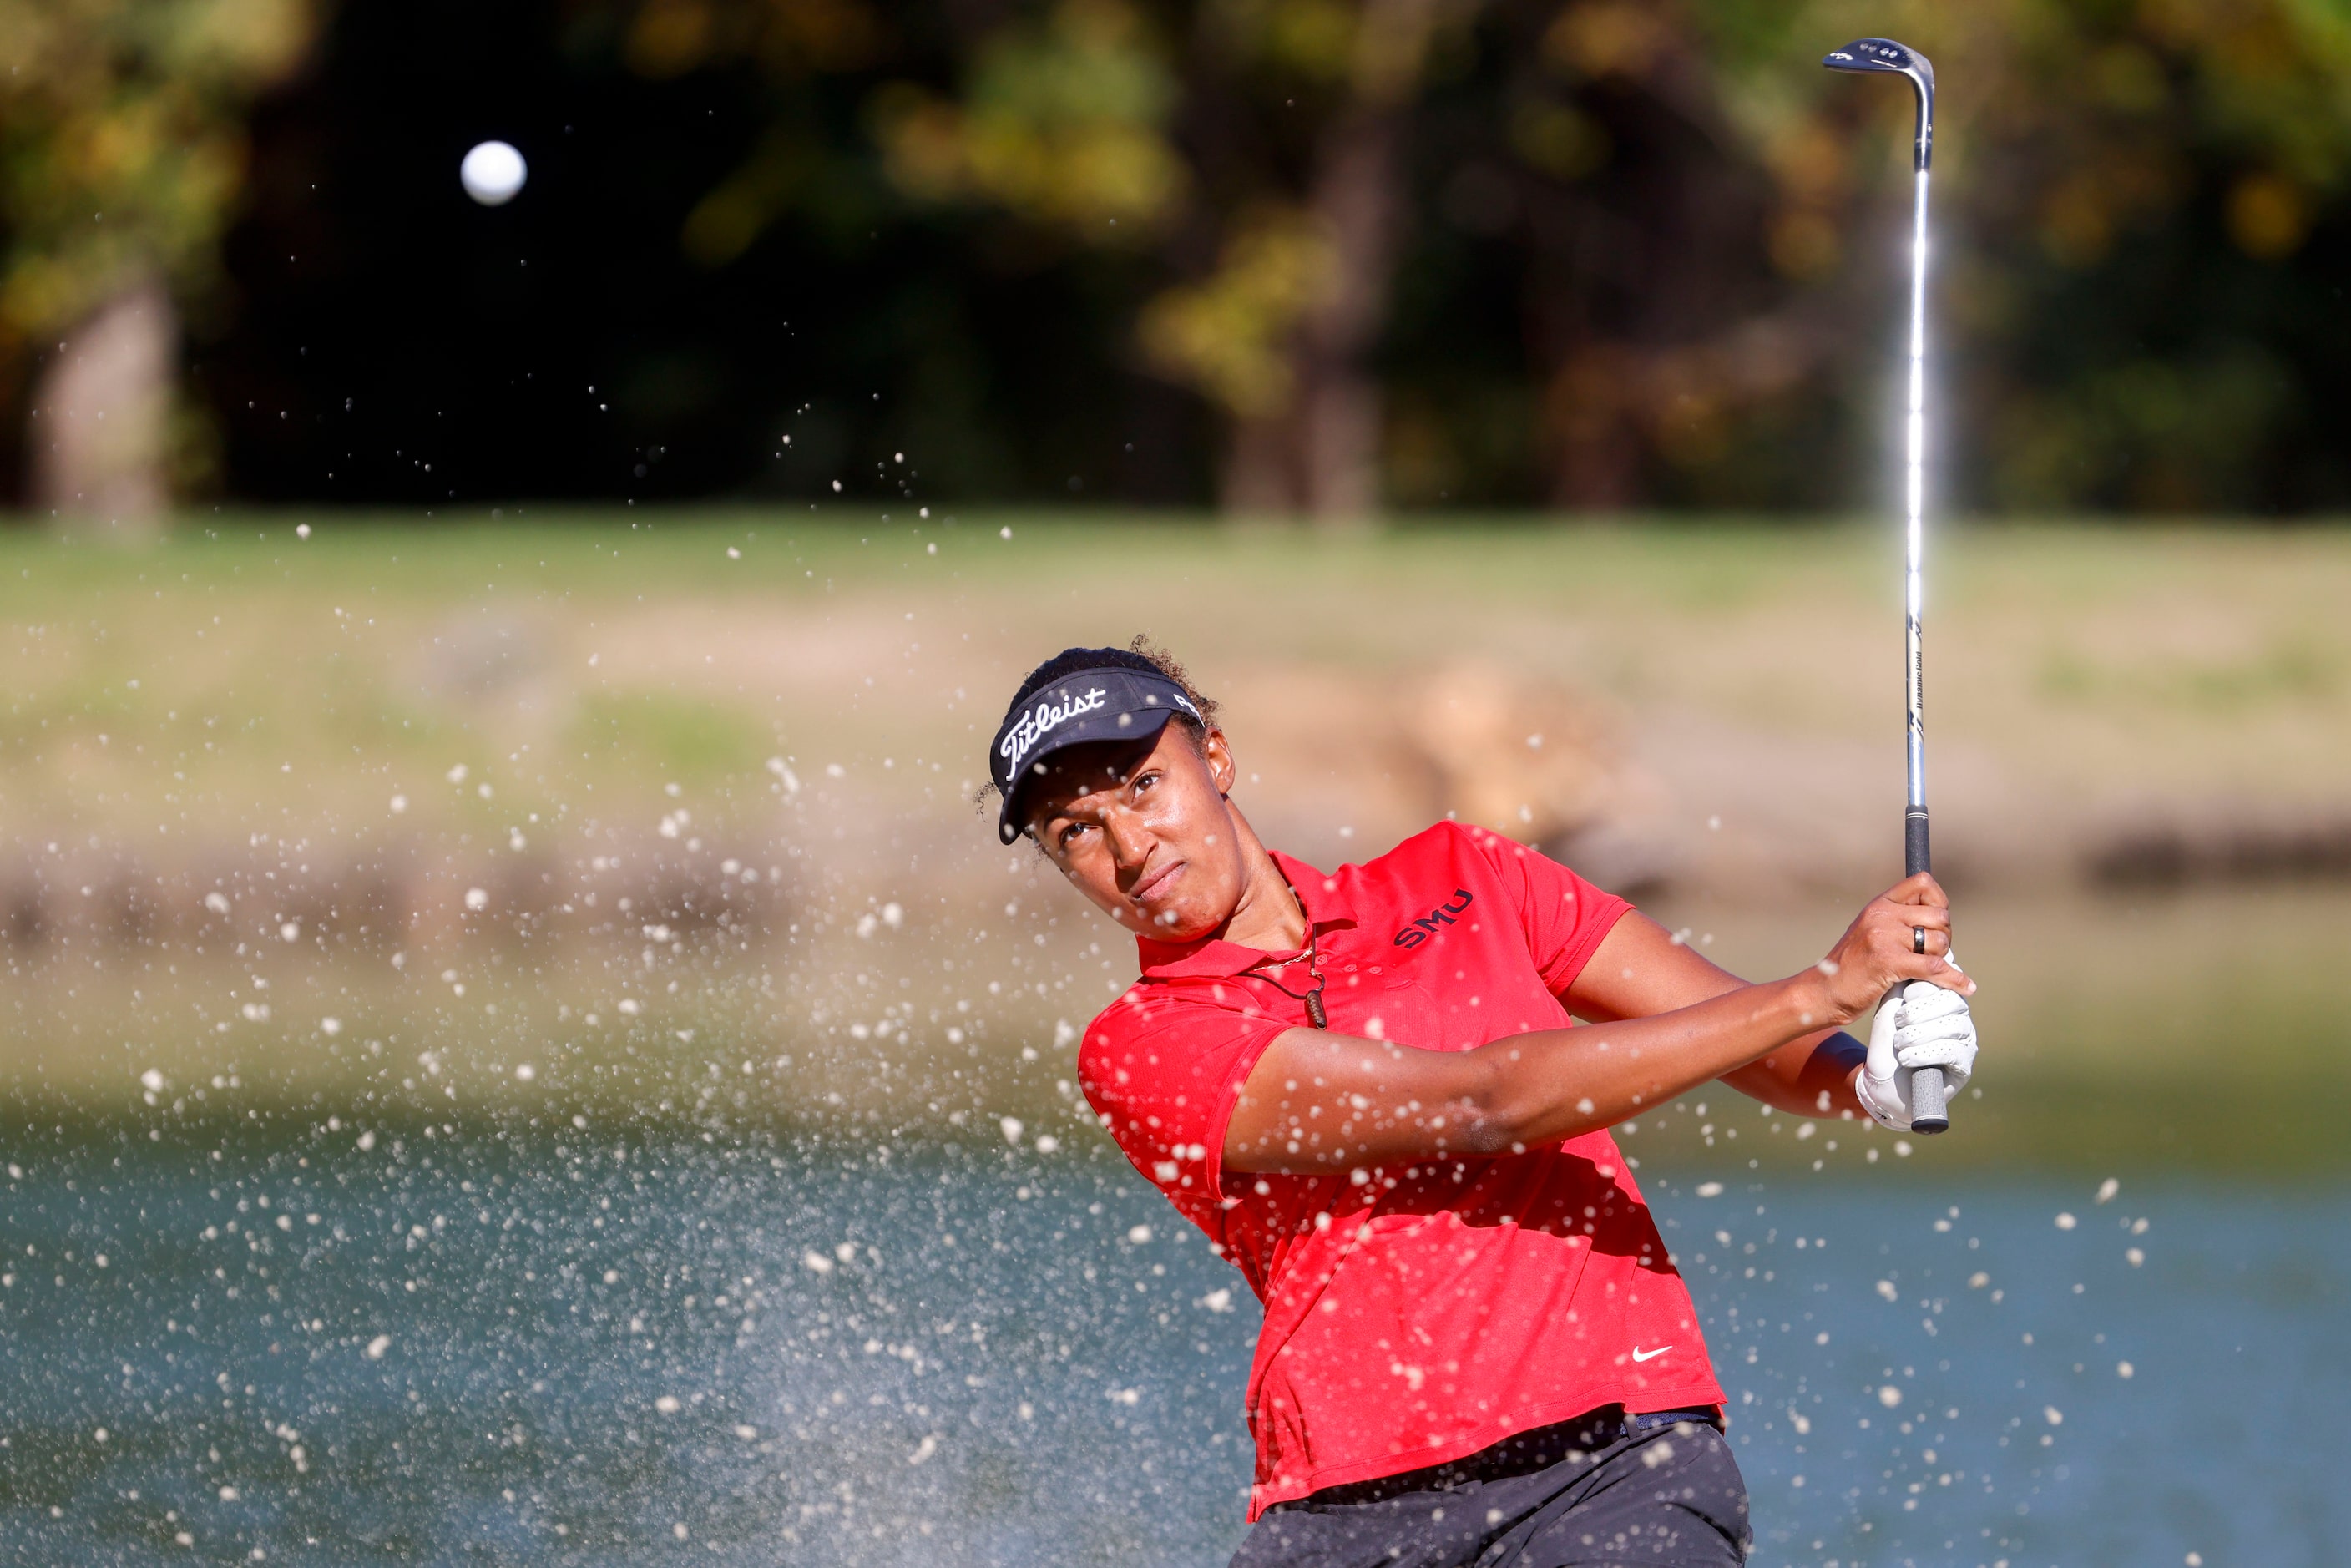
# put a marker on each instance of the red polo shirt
(1414, 1312)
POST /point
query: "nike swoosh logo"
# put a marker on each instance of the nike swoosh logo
(1640, 1354)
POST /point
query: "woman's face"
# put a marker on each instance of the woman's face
(1145, 830)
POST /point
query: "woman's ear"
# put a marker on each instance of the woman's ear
(1219, 757)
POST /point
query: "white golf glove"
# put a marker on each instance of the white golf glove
(1920, 1025)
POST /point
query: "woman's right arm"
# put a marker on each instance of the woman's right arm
(1318, 1102)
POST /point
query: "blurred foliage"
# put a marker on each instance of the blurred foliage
(2140, 207)
(1062, 120)
(122, 146)
(1224, 333)
(2134, 204)
(1597, 252)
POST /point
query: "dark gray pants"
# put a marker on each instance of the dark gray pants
(1602, 1492)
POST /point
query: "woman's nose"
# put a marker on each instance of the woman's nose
(1130, 844)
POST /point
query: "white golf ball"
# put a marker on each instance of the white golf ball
(492, 173)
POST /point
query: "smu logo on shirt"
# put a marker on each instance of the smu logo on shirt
(1428, 925)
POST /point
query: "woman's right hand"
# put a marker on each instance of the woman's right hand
(1879, 950)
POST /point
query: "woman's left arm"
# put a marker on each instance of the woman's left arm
(1639, 971)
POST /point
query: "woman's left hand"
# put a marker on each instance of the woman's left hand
(1919, 1026)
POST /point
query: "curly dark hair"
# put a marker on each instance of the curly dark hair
(1142, 653)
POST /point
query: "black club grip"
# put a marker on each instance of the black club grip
(1929, 1112)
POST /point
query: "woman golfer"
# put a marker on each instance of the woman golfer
(1365, 1086)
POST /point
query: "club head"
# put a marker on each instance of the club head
(1881, 55)
(1884, 57)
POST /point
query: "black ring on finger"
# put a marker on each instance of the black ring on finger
(1917, 939)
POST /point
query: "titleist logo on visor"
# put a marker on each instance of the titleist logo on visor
(1034, 725)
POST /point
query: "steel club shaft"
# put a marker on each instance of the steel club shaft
(1929, 1113)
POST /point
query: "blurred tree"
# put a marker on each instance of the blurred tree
(121, 154)
(1259, 146)
(2140, 217)
(1653, 315)
(1281, 331)
(2133, 306)
(1253, 146)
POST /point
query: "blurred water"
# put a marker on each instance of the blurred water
(497, 1342)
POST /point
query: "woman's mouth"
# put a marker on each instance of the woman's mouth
(1155, 883)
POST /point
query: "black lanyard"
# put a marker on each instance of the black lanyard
(1313, 998)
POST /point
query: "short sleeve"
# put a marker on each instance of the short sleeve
(1566, 917)
(1162, 1073)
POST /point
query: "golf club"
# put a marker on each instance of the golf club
(1884, 56)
